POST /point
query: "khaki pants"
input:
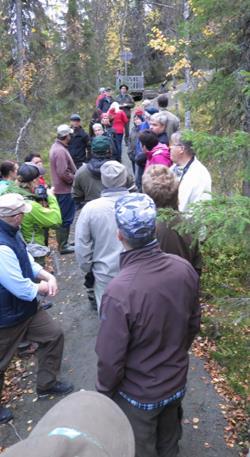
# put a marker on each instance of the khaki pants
(42, 329)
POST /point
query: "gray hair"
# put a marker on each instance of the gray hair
(160, 118)
(97, 125)
(179, 138)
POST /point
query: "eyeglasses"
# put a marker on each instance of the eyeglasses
(175, 145)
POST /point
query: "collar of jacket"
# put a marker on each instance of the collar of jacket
(61, 143)
(138, 254)
(114, 191)
(12, 231)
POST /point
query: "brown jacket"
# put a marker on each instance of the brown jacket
(183, 245)
(62, 168)
(150, 314)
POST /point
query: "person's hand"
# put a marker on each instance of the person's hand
(43, 288)
(52, 285)
(50, 191)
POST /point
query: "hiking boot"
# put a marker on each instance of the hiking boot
(5, 415)
(59, 388)
(62, 235)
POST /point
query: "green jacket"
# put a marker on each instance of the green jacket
(39, 218)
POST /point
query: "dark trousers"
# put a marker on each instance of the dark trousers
(42, 329)
(139, 170)
(118, 140)
(157, 432)
(127, 130)
(67, 207)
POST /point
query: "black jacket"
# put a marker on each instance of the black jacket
(79, 146)
(163, 138)
(105, 103)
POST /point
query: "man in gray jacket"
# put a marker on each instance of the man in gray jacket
(96, 245)
(150, 314)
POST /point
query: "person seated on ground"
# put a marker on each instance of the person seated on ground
(133, 140)
(37, 160)
(156, 152)
(79, 145)
(194, 179)
(106, 101)
(45, 211)
(126, 103)
(84, 424)
(119, 121)
(173, 122)
(96, 246)
(158, 124)
(8, 174)
(150, 314)
(160, 183)
(19, 312)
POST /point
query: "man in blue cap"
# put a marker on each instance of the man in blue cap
(79, 145)
(150, 314)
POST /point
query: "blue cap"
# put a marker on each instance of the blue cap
(136, 215)
(151, 110)
(75, 117)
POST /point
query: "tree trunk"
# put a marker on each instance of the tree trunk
(186, 14)
(20, 46)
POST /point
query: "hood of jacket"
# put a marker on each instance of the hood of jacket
(158, 149)
(95, 164)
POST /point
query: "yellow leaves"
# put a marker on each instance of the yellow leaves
(160, 43)
(207, 31)
(199, 74)
(179, 66)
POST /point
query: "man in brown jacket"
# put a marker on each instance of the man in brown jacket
(62, 172)
(150, 314)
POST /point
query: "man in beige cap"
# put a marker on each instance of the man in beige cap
(21, 280)
(63, 169)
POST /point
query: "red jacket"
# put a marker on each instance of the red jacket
(119, 120)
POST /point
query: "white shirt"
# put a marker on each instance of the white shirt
(195, 185)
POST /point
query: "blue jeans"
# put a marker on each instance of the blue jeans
(67, 207)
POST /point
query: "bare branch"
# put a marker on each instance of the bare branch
(21, 133)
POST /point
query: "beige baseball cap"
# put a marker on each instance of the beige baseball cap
(12, 204)
(63, 130)
(84, 424)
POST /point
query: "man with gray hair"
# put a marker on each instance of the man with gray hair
(96, 245)
(158, 124)
(194, 179)
(21, 280)
(173, 122)
(150, 314)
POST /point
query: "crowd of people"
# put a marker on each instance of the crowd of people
(141, 274)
